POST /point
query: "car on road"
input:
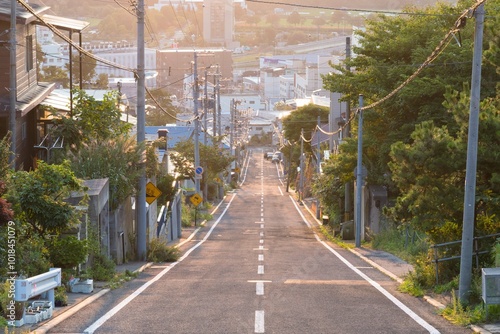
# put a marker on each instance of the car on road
(268, 155)
(276, 157)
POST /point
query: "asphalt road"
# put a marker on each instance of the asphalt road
(259, 267)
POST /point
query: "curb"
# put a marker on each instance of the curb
(77, 307)
(68, 313)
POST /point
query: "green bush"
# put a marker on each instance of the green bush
(496, 253)
(61, 296)
(68, 252)
(103, 268)
(158, 251)
(411, 286)
(3, 322)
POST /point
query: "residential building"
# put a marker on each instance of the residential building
(29, 93)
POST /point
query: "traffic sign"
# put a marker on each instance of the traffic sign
(196, 199)
(152, 193)
(198, 170)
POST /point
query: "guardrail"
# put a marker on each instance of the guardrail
(476, 251)
(33, 286)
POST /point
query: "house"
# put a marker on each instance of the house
(26, 118)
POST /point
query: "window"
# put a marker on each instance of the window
(23, 131)
(29, 53)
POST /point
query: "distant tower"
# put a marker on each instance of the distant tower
(218, 22)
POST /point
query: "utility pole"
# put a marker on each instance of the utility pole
(196, 123)
(141, 134)
(231, 134)
(205, 107)
(471, 168)
(301, 177)
(205, 132)
(13, 85)
(359, 174)
(217, 102)
(214, 129)
(347, 133)
(318, 166)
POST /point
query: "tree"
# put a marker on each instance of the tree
(4, 156)
(39, 198)
(214, 159)
(40, 57)
(305, 118)
(92, 120)
(55, 74)
(429, 173)
(6, 213)
(160, 110)
(118, 159)
(388, 51)
(88, 69)
(102, 81)
(294, 18)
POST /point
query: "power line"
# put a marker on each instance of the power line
(342, 9)
(71, 42)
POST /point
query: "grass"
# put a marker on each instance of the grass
(463, 315)
(120, 278)
(328, 233)
(411, 286)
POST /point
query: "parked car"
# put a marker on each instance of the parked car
(276, 157)
(268, 155)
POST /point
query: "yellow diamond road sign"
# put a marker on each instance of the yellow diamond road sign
(196, 199)
(152, 193)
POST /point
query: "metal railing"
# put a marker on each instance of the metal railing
(476, 251)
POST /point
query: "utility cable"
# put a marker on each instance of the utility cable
(69, 41)
(459, 23)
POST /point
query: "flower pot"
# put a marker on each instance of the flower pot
(83, 286)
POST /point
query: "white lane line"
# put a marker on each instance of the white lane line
(261, 257)
(377, 286)
(99, 322)
(261, 225)
(261, 241)
(260, 269)
(259, 322)
(261, 248)
(262, 234)
(259, 288)
(281, 192)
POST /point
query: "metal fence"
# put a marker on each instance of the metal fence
(476, 251)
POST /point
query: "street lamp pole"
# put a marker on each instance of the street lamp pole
(359, 175)
(318, 166)
(301, 177)
(196, 123)
(141, 134)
